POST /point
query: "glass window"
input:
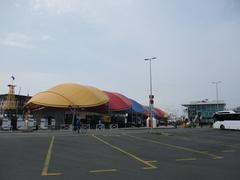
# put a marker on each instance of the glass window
(204, 107)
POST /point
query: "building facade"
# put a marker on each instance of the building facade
(16, 109)
(203, 110)
(20, 102)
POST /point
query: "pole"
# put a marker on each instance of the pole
(151, 95)
(150, 103)
(217, 96)
(73, 109)
(150, 65)
(216, 83)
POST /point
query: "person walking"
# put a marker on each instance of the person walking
(200, 122)
(78, 124)
(99, 124)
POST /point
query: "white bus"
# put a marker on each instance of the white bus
(226, 120)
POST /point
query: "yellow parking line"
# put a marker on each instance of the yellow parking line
(213, 156)
(146, 163)
(47, 161)
(186, 159)
(52, 174)
(146, 168)
(222, 144)
(216, 142)
(102, 170)
(151, 161)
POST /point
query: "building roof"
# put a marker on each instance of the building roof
(118, 102)
(69, 94)
(137, 107)
(204, 102)
(75, 95)
(160, 113)
(16, 95)
(157, 112)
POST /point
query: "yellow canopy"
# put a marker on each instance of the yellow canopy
(69, 94)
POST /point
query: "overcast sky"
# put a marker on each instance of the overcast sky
(103, 43)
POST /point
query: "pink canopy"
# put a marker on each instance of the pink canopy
(118, 102)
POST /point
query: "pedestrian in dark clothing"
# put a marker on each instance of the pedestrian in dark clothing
(78, 124)
(200, 122)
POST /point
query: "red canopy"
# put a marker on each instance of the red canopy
(118, 102)
(160, 113)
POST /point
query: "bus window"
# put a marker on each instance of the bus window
(219, 117)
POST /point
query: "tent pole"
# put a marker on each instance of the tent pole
(132, 115)
(74, 113)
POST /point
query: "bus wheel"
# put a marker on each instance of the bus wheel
(222, 127)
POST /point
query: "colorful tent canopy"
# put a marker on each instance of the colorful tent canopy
(69, 94)
(147, 110)
(158, 113)
(118, 102)
(136, 107)
(161, 113)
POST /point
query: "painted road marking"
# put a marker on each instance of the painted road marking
(111, 135)
(217, 142)
(186, 159)
(213, 156)
(228, 151)
(151, 161)
(233, 146)
(207, 140)
(47, 161)
(146, 163)
(223, 144)
(103, 170)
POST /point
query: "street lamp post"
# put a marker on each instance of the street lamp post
(216, 83)
(151, 97)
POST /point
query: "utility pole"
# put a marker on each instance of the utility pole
(151, 96)
(216, 83)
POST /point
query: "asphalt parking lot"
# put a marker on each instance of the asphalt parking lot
(121, 154)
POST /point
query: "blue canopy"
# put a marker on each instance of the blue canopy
(136, 107)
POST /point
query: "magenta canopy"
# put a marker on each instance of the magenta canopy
(118, 102)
